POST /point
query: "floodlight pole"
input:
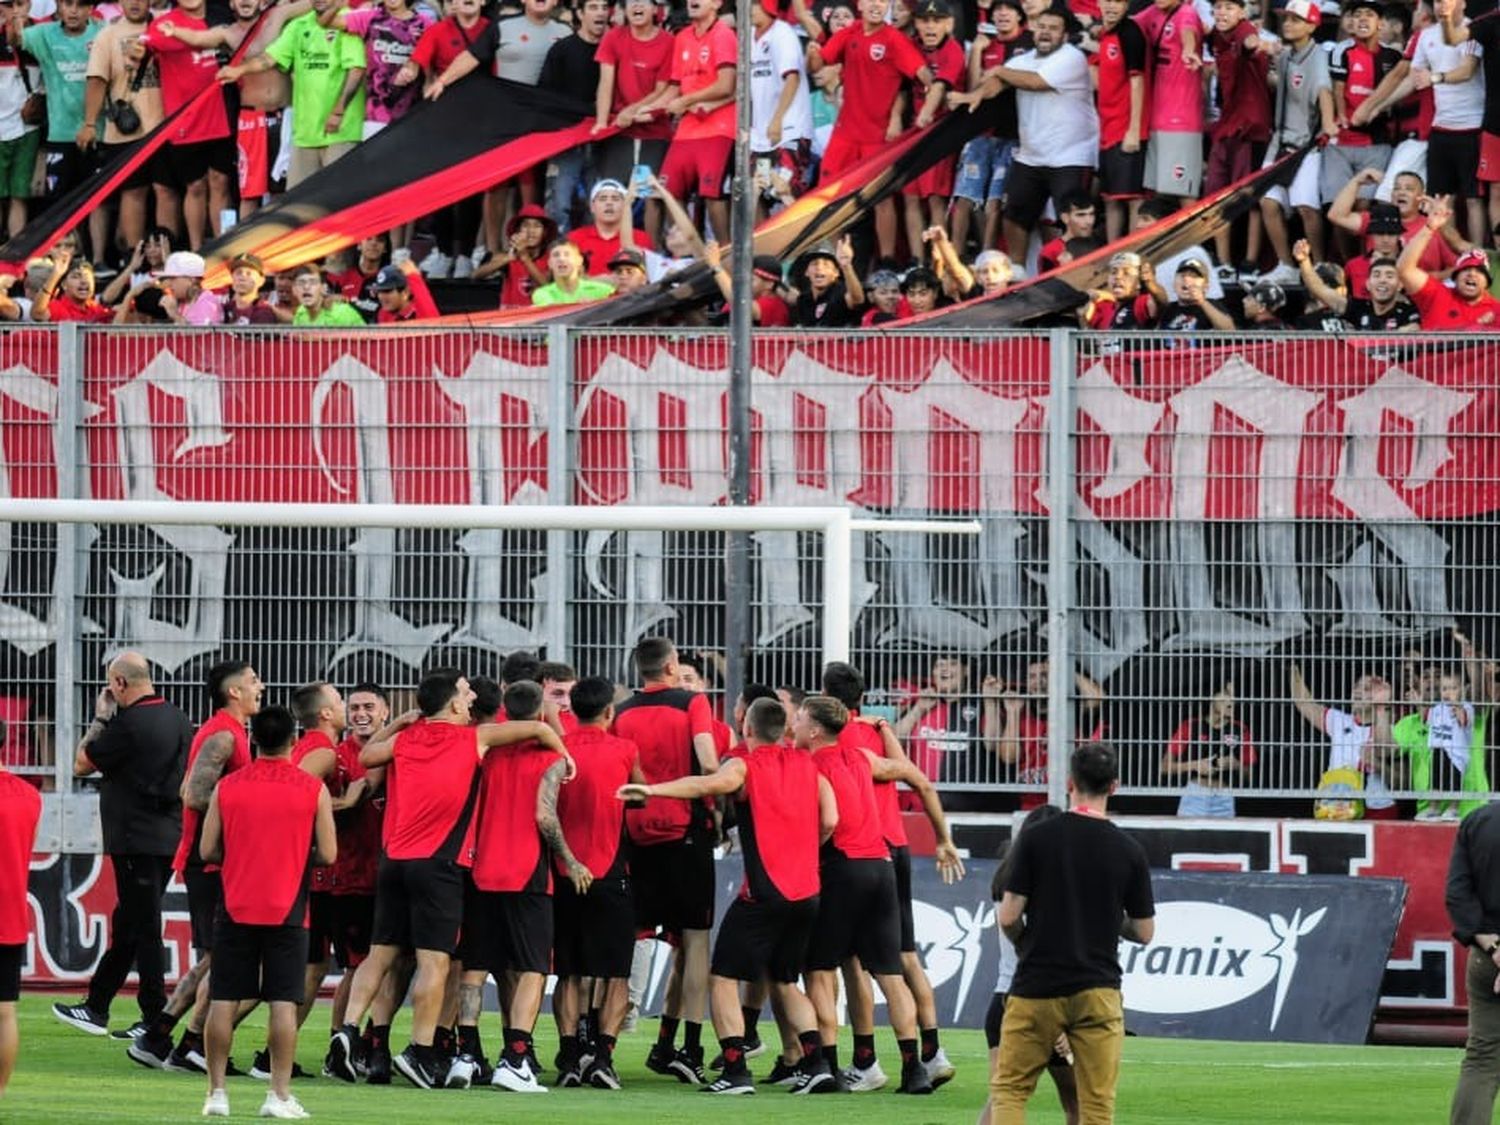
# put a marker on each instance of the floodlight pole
(738, 612)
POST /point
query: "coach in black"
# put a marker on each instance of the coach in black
(138, 742)
(1473, 897)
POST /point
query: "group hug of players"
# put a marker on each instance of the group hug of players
(520, 838)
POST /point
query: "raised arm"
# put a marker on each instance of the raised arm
(1341, 210)
(382, 745)
(1308, 707)
(1302, 255)
(1413, 276)
(551, 828)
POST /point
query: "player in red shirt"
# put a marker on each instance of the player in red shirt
(672, 841)
(267, 823)
(859, 914)
(786, 810)
(20, 811)
(876, 60)
(1468, 305)
(875, 737)
(433, 755)
(946, 64)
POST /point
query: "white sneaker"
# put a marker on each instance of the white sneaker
(463, 267)
(1227, 275)
(436, 264)
(460, 1073)
(939, 1069)
(216, 1104)
(400, 255)
(287, 1108)
(1430, 813)
(861, 1080)
(516, 1079)
(1283, 275)
(1450, 813)
(478, 256)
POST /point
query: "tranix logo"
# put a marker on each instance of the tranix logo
(1209, 956)
(952, 945)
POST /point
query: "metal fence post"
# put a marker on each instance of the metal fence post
(560, 344)
(65, 596)
(1062, 362)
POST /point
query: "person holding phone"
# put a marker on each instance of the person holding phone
(780, 107)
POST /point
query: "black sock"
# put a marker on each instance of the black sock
(517, 1043)
(929, 1042)
(594, 1024)
(190, 1039)
(692, 1036)
(604, 1049)
(378, 1035)
(812, 1044)
(832, 1055)
(733, 1047)
(668, 1032)
(567, 1047)
(444, 1042)
(468, 1040)
(163, 1025)
(908, 1048)
(864, 1051)
(752, 1018)
(426, 1054)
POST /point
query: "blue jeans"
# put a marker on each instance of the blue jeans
(1199, 800)
(566, 173)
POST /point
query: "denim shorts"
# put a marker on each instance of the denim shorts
(982, 168)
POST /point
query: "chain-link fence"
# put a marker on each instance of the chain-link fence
(1182, 528)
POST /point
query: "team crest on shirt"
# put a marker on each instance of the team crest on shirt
(703, 54)
(877, 52)
(1179, 172)
(1112, 51)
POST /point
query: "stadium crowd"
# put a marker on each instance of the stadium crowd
(1101, 117)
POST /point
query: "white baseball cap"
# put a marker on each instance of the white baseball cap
(182, 263)
(1304, 10)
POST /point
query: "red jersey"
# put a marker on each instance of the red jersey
(358, 828)
(774, 312)
(598, 250)
(779, 825)
(948, 66)
(1361, 71)
(91, 311)
(1442, 308)
(421, 307)
(517, 284)
(20, 810)
(268, 810)
(1121, 56)
(508, 853)
(592, 817)
(1244, 95)
(1195, 739)
(875, 67)
(322, 877)
(859, 834)
(1436, 258)
(662, 722)
(185, 73)
(696, 62)
(444, 41)
(430, 787)
(640, 65)
(862, 736)
(192, 820)
(1031, 769)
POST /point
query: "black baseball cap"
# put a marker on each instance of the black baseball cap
(628, 257)
(933, 10)
(389, 279)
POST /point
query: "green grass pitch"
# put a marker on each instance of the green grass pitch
(67, 1077)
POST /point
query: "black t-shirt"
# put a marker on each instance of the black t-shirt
(1487, 34)
(1360, 315)
(1081, 876)
(831, 310)
(570, 67)
(1178, 317)
(142, 754)
(1320, 320)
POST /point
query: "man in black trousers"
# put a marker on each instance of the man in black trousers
(138, 743)
(1473, 897)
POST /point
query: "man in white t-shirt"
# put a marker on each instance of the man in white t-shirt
(781, 123)
(1059, 124)
(1359, 739)
(1457, 83)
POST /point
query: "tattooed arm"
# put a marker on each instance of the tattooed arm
(551, 828)
(198, 785)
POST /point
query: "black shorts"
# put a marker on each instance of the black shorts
(11, 957)
(765, 939)
(419, 904)
(1122, 175)
(674, 884)
(901, 861)
(191, 162)
(68, 166)
(258, 962)
(153, 170)
(858, 916)
(508, 931)
(205, 893)
(1452, 160)
(342, 924)
(1027, 189)
(593, 934)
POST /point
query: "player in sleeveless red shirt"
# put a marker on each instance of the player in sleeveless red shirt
(786, 811)
(20, 811)
(859, 914)
(433, 755)
(268, 823)
(672, 841)
(594, 933)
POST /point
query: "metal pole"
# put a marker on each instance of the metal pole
(1059, 564)
(69, 421)
(559, 485)
(738, 611)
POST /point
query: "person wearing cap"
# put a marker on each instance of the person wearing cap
(1174, 154)
(985, 159)
(1058, 122)
(569, 284)
(926, 197)
(1357, 69)
(68, 293)
(1304, 109)
(1263, 304)
(317, 304)
(627, 270)
(876, 61)
(523, 260)
(245, 305)
(1192, 311)
(767, 308)
(1468, 305)
(1131, 298)
(781, 123)
(830, 292)
(403, 295)
(1407, 194)
(186, 301)
(602, 239)
(635, 65)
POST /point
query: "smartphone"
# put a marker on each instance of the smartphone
(640, 178)
(763, 166)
